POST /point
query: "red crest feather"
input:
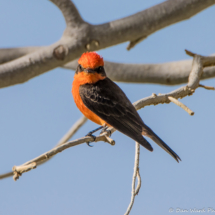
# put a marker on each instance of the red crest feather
(91, 60)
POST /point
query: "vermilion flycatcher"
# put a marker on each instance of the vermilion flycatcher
(104, 103)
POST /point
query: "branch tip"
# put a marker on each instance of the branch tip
(206, 87)
(175, 101)
(135, 42)
(189, 53)
(109, 140)
(18, 170)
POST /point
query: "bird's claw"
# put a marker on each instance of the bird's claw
(90, 135)
(88, 143)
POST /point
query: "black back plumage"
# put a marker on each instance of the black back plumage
(109, 102)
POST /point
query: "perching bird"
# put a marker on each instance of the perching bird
(104, 103)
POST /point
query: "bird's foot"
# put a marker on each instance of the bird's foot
(105, 130)
(90, 135)
(88, 143)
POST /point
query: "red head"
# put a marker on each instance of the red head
(91, 60)
(91, 63)
(90, 68)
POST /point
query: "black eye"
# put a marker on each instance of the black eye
(79, 67)
(99, 69)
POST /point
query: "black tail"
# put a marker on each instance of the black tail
(148, 132)
(142, 141)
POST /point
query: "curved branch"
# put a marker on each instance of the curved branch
(47, 58)
(170, 73)
(136, 27)
(136, 174)
(70, 12)
(9, 54)
(64, 139)
(80, 36)
(198, 63)
(18, 170)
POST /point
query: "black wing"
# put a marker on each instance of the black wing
(108, 101)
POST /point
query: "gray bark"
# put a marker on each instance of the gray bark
(80, 36)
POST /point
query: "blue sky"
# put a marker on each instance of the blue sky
(97, 180)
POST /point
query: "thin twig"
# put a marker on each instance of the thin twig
(40, 159)
(136, 170)
(18, 170)
(206, 87)
(135, 42)
(64, 139)
(6, 175)
(175, 101)
(189, 89)
(72, 130)
(79, 36)
(138, 182)
(193, 83)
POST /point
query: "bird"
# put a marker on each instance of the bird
(103, 102)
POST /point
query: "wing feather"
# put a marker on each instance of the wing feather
(109, 102)
(114, 108)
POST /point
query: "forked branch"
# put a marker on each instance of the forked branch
(64, 139)
(136, 174)
(80, 36)
(198, 63)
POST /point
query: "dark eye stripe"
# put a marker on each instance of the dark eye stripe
(99, 69)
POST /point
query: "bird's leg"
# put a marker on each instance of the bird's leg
(93, 131)
(91, 134)
(105, 129)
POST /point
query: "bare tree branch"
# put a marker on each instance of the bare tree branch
(138, 182)
(134, 191)
(80, 36)
(70, 13)
(64, 139)
(193, 82)
(175, 101)
(6, 175)
(170, 73)
(9, 54)
(148, 21)
(44, 59)
(166, 13)
(206, 87)
(72, 130)
(40, 159)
